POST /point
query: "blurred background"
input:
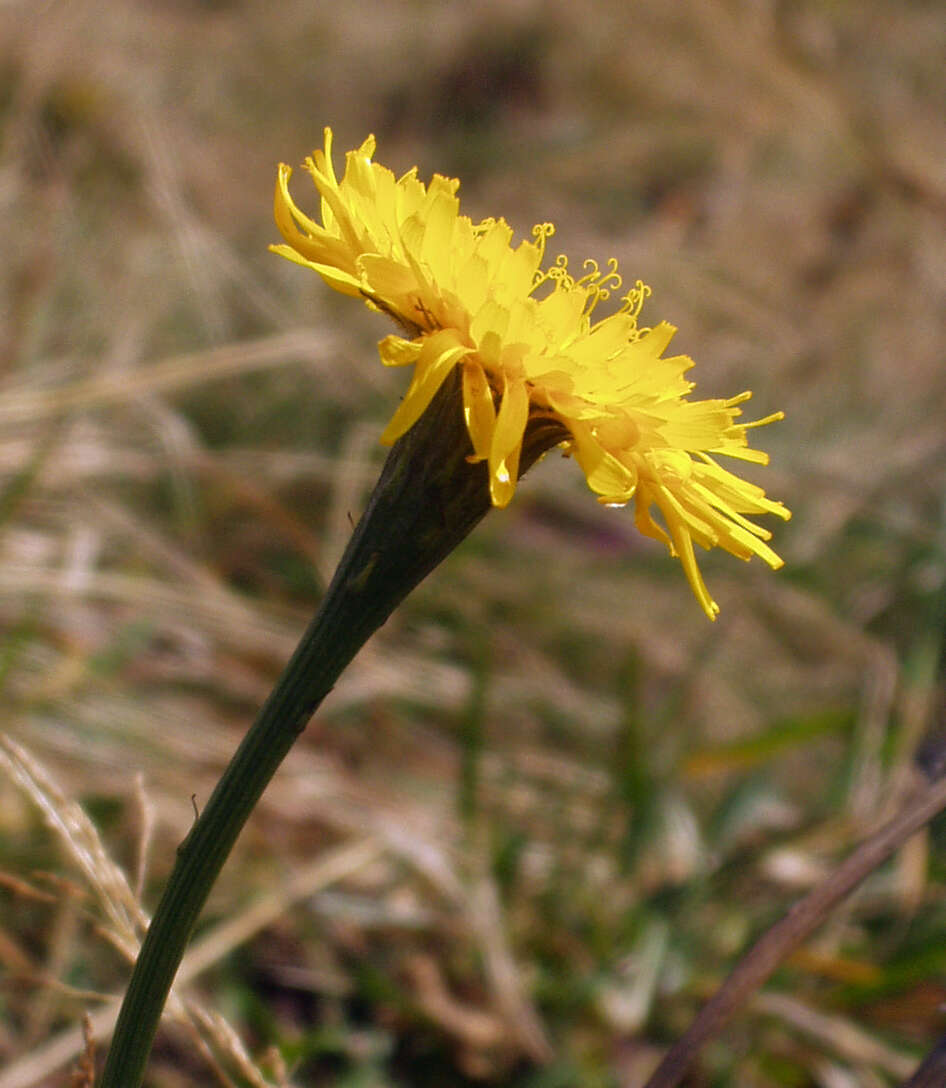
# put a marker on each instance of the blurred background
(550, 803)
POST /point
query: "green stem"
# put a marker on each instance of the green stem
(426, 501)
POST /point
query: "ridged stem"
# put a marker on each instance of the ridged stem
(426, 501)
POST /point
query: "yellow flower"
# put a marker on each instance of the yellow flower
(530, 353)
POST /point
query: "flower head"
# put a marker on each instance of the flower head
(531, 356)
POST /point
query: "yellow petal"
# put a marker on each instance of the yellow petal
(507, 442)
(478, 409)
(396, 351)
(439, 354)
(609, 478)
(529, 344)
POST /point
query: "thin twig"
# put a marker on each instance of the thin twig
(804, 917)
(932, 1073)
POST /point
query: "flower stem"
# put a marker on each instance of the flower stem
(426, 501)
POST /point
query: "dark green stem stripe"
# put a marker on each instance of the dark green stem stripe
(312, 671)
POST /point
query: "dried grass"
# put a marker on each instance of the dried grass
(574, 801)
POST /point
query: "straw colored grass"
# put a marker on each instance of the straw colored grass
(549, 805)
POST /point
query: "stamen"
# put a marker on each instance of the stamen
(558, 274)
(634, 300)
(591, 275)
(773, 418)
(541, 232)
(739, 398)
